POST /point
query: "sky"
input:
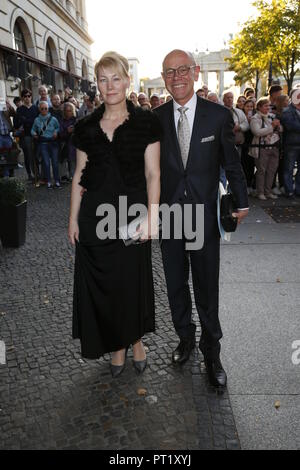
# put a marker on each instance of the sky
(149, 30)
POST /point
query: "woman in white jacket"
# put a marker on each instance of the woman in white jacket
(265, 128)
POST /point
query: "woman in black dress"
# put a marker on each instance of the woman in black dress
(118, 154)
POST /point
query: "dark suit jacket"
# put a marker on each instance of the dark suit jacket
(200, 179)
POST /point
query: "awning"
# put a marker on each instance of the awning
(50, 67)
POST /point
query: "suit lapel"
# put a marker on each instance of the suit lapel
(199, 122)
(173, 134)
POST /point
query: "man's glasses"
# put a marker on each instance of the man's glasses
(44, 109)
(181, 71)
(27, 96)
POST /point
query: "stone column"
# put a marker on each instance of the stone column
(83, 9)
(221, 82)
(204, 77)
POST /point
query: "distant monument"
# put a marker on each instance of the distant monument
(213, 62)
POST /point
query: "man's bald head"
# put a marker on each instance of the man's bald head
(179, 52)
(180, 72)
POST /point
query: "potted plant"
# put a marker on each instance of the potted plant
(13, 207)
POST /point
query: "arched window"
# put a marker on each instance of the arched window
(70, 62)
(84, 71)
(69, 68)
(19, 40)
(49, 56)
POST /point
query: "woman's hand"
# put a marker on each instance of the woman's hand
(73, 231)
(148, 229)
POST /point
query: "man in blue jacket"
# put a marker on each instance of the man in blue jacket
(45, 130)
(291, 124)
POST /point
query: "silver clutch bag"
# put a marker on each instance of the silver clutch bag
(128, 232)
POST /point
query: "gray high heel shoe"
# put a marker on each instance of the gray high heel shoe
(140, 366)
(116, 371)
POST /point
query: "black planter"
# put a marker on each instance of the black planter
(13, 225)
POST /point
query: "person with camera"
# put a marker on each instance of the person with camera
(266, 129)
(45, 131)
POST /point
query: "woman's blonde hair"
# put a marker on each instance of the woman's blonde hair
(113, 60)
(69, 105)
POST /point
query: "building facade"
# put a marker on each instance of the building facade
(44, 42)
(155, 85)
(134, 74)
(213, 62)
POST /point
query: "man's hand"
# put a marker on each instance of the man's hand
(236, 128)
(240, 215)
(275, 123)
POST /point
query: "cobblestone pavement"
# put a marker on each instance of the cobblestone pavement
(52, 399)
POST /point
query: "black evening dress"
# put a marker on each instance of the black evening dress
(113, 285)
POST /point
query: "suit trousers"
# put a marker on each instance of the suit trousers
(204, 265)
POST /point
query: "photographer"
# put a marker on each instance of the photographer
(88, 106)
(45, 130)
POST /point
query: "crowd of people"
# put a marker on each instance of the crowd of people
(43, 130)
(267, 135)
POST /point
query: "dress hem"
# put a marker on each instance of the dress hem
(98, 356)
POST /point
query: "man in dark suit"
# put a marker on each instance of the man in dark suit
(198, 138)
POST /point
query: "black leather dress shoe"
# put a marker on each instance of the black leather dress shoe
(183, 351)
(216, 374)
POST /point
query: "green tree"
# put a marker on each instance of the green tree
(272, 37)
(245, 61)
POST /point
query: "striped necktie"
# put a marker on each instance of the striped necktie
(184, 134)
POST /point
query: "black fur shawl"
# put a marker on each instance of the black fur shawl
(127, 147)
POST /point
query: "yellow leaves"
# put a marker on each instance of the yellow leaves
(272, 35)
